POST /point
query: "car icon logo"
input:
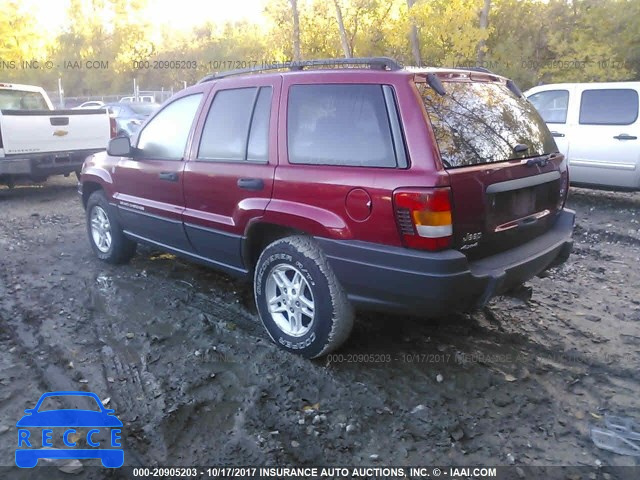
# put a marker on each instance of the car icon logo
(66, 427)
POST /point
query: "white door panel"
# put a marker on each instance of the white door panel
(603, 152)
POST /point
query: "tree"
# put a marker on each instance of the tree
(296, 30)
(20, 41)
(346, 48)
(484, 25)
(448, 31)
(413, 36)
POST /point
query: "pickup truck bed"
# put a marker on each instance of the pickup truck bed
(35, 144)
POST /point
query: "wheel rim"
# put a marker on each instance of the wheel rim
(100, 229)
(290, 300)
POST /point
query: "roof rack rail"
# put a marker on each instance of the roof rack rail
(475, 69)
(378, 63)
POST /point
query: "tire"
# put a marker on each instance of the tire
(297, 262)
(105, 234)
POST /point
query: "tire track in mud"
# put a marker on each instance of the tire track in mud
(228, 396)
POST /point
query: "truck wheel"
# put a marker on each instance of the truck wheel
(300, 302)
(105, 234)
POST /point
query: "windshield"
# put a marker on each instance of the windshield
(21, 100)
(482, 122)
(143, 109)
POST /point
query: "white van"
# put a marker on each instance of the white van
(596, 126)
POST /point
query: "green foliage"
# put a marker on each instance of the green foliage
(19, 41)
(531, 41)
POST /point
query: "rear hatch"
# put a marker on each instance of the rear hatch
(508, 181)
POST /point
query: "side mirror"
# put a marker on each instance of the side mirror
(120, 147)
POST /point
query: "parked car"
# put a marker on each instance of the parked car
(90, 104)
(129, 117)
(141, 99)
(423, 191)
(596, 126)
(37, 141)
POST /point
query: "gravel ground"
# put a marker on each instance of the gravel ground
(188, 369)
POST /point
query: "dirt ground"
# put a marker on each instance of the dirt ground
(188, 369)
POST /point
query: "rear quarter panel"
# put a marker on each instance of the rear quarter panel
(312, 198)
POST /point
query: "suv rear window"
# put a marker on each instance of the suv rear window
(482, 122)
(609, 107)
(340, 125)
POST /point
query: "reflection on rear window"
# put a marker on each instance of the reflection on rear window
(479, 122)
(20, 100)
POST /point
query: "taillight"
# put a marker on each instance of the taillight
(113, 127)
(424, 217)
(564, 189)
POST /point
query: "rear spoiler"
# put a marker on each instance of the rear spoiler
(433, 78)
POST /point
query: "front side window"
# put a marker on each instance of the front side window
(551, 105)
(165, 137)
(339, 125)
(609, 107)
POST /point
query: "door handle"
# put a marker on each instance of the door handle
(556, 134)
(624, 136)
(251, 183)
(168, 176)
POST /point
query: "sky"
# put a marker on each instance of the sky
(180, 14)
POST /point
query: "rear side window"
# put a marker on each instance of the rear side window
(340, 125)
(483, 122)
(237, 126)
(609, 107)
(257, 150)
(165, 136)
(551, 105)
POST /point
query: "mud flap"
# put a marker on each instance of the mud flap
(493, 287)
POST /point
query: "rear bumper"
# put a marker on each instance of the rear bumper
(44, 164)
(397, 279)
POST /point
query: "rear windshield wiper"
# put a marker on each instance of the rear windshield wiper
(520, 147)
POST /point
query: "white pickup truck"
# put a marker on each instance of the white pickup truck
(37, 141)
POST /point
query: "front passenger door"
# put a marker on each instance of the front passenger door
(149, 185)
(553, 107)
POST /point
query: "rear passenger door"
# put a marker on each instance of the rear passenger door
(229, 180)
(605, 140)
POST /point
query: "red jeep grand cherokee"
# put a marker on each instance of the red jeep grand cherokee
(424, 191)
